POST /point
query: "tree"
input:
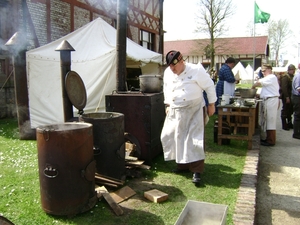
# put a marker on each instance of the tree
(212, 21)
(279, 33)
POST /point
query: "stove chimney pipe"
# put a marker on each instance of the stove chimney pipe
(18, 46)
(65, 64)
(121, 45)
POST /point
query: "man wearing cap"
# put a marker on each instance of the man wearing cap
(182, 135)
(270, 103)
(285, 94)
(296, 104)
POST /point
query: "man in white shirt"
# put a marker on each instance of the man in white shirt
(268, 110)
(183, 132)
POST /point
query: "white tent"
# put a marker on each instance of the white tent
(94, 59)
(250, 71)
(240, 69)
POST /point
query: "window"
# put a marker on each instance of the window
(207, 50)
(146, 40)
(195, 59)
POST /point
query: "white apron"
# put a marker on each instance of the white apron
(183, 133)
(268, 114)
(229, 88)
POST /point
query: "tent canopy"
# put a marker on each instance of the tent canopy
(239, 68)
(94, 59)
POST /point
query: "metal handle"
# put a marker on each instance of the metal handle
(121, 152)
(50, 172)
(97, 150)
(46, 135)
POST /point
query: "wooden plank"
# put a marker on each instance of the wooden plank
(108, 180)
(156, 196)
(131, 158)
(144, 167)
(105, 183)
(122, 194)
(115, 207)
(99, 190)
(138, 164)
(134, 162)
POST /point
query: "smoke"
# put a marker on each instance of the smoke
(2, 45)
(17, 43)
(93, 2)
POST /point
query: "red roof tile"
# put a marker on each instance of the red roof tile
(223, 46)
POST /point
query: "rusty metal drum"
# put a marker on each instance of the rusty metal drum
(66, 168)
(109, 143)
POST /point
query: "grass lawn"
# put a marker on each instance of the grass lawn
(20, 188)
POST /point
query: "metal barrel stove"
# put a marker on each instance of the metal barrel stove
(66, 168)
(109, 143)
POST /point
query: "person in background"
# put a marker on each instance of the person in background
(296, 104)
(182, 135)
(268, 109)
(213, 75)
(227, 81)
(285, 95)
(260, 74)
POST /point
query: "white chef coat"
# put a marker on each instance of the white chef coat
(268, 110)
(183, 131)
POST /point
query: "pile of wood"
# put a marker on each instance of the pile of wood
(113, 198)
(131, 160)
(108, 181)
(132, 164)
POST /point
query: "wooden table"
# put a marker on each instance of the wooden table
(242, 121)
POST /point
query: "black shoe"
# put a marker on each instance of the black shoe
(264, 143)
(261, 140)
(196, 178)
(297, 136)
(177, 171)
(290, 125)
(286, 128)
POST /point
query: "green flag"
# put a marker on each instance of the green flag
(260, 16)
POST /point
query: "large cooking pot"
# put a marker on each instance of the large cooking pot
(109, 142)
(66, 168)
(247, 92)
(150, 83)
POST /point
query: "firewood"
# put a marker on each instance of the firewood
(109, 179)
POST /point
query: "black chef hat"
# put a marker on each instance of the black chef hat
(173, 57)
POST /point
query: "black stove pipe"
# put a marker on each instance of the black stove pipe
(65, 64)
(121, 45)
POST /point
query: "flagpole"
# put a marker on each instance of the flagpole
(254, 44)
(259, 17)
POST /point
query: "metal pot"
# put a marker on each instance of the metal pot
(65, 159)
(109, 142)
(247, 92)
(150, 83)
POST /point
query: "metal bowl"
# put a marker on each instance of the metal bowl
(247, 92)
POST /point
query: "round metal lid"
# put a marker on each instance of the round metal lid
(76, 90)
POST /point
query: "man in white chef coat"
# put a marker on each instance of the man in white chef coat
(182, 136)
